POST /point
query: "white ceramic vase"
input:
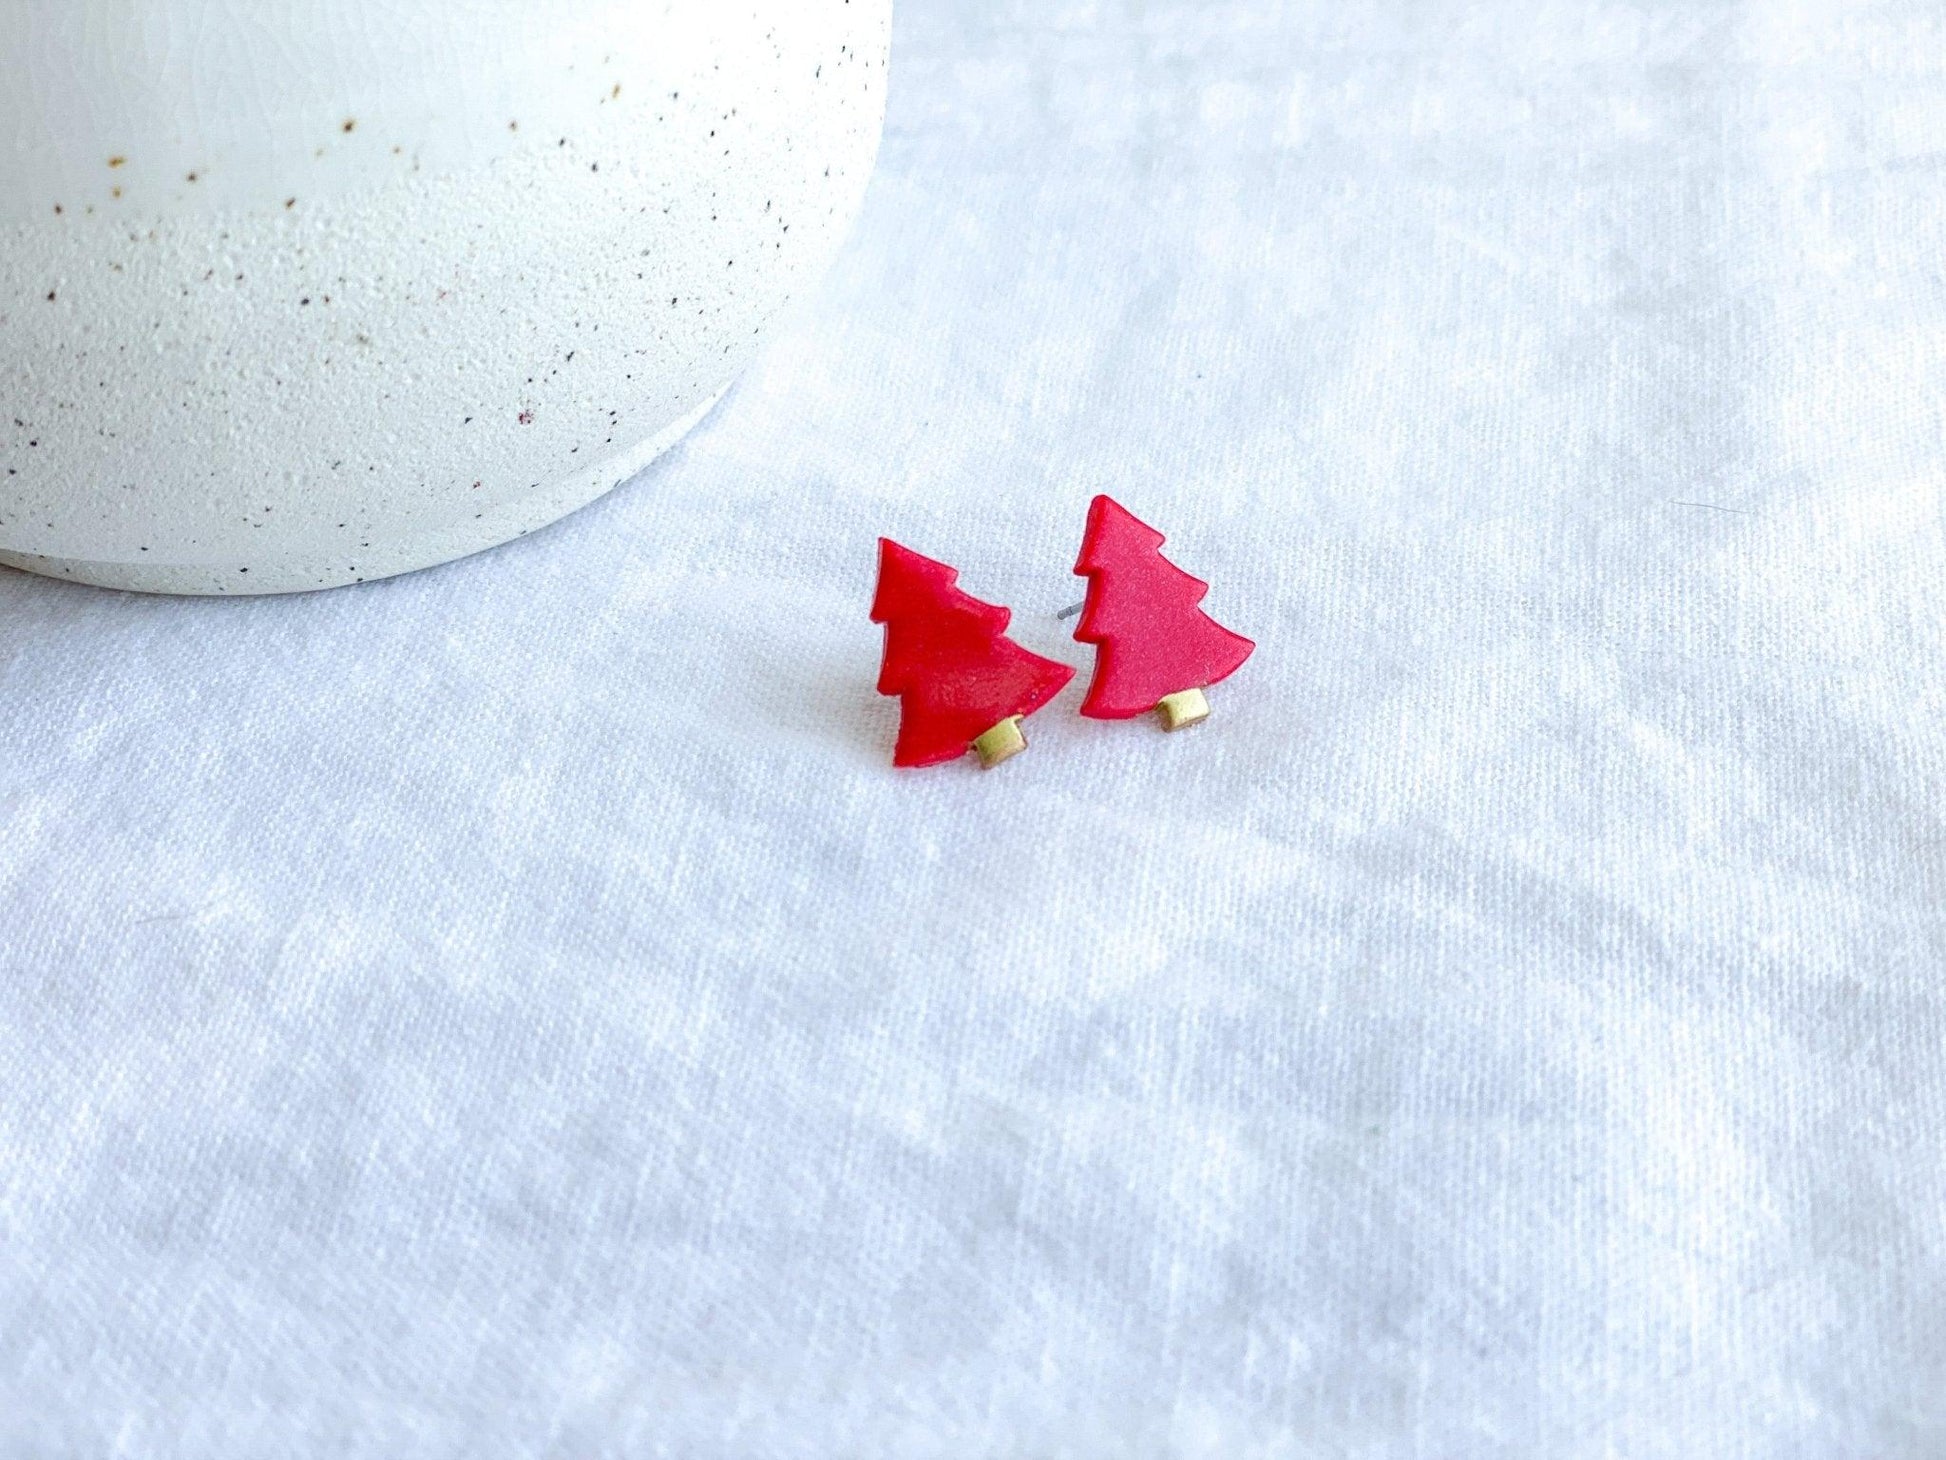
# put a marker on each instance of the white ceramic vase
(305, 292)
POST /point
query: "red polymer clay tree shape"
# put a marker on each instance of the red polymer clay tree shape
(959, 678)
(1154, 647)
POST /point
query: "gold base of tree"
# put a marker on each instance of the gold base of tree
(1186, 707)
(1000, 743)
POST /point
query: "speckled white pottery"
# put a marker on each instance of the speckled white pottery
(303, 292)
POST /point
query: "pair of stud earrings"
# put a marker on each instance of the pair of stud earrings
(963, 685)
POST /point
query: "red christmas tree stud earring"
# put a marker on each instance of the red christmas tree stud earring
(962, 683)
(1155, 649)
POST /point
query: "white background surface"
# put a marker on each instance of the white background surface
(516, 1009)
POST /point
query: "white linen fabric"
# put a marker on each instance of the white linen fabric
(518, 1010)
